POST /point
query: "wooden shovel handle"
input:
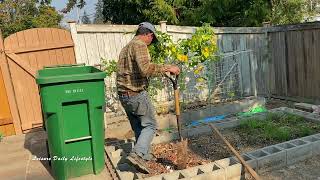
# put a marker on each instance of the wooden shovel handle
(243, 162)
(177, 102)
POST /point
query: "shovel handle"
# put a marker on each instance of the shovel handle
(176, 101)
(243, 162)
(173, 79)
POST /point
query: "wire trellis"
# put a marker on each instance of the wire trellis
(223, 84)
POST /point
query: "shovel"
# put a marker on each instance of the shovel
(182, 156)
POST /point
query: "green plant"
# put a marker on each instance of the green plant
(278, 127)
(109, 66)
(192, 55)
(251, 124)
(304, 131)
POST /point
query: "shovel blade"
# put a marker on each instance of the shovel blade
(182, 156)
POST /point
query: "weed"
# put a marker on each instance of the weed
(278, 127)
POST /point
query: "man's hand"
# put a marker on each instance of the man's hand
(173, 69)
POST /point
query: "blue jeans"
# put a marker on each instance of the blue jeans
(141, 114)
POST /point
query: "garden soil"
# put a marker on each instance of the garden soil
(202, 150)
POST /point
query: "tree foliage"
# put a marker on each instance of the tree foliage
(74, 3)
(98, 17)
(24, 14)
(85, 19)
(124, 11)
(288, 11)
(231, 12)
(215, 12)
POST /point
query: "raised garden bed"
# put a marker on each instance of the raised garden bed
(253, 133)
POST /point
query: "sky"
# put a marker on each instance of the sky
(89, 8)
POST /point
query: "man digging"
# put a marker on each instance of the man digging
(134, 70)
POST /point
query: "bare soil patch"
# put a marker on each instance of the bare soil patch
(245, 138)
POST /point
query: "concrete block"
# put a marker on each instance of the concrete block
(275, 159)
(207, 168)
(127, 147)
(228, 123)
(313, 117)
(114, 142)
(174, 176)
(212, 175)
(232, 168)
(124, 167)
(285, 145)
(259, 155)
(301, 151)
(127, 175)
(116, 160)
(310, 116)
(223, 108)
(249, 159)
(193, 171)
(158, 177)
(110, 148)
(315, 143)
(165, 137)
(210, 171)
(166, 121)
(304, 106)
(116, 153)
(197, 130)
(276, 110)
(204, 129)
(286, 109)
(317, 135)
(169, 176)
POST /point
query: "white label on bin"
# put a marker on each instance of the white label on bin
(72, 91)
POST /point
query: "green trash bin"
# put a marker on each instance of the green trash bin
(72, 99)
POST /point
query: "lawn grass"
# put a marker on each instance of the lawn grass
(278, 127)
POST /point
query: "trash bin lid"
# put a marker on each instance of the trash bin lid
(71, 73)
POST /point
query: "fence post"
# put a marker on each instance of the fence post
(4, 69)
(163, 26)
(73, 30)
(267, 80)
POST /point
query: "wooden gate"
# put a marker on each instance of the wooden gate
(6, 123)
(26, 52)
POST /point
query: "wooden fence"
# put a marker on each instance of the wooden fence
(280, 61)
(93, 42)
(294, 63)
(284, 60)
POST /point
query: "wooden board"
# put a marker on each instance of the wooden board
(7, 79)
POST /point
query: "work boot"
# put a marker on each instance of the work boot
(138, 163)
